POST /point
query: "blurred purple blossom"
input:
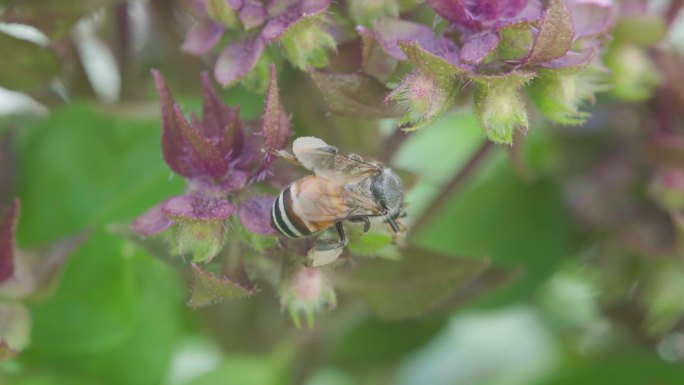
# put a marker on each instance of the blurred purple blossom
(486, 26)
(241, 56)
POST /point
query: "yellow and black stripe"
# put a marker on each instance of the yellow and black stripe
(284, 218)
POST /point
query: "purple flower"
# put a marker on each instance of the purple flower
(218, 157)
(298, 25)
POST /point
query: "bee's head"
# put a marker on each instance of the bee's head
(389, 192)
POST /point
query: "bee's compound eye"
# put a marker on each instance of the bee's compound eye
(393, 192)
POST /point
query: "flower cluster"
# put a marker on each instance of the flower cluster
(222, 158)
(299, 27)
(490, 49)
(498, 47)
(218, 157)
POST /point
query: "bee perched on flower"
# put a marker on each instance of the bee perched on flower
(217, 158)
(344, 188)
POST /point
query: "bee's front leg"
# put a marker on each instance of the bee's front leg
(324, 246)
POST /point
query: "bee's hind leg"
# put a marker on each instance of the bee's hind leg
(322, 245)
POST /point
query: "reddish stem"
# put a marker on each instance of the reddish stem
(450, 188)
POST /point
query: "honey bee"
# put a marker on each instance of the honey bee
(343, 188)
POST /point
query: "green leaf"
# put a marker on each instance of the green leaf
(209, 289)
(370, 243)
(142, 355)
(98, 291)
(83, 168)
(244, 370)
(516, 41)
(354, 94)
(514, 222)
(373, 340)
(416, 284)
(627, 369)
(556, 34)
(26, 66)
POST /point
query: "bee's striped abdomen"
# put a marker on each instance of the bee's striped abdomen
(284, 219)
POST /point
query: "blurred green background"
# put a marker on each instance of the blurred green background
(580, 304)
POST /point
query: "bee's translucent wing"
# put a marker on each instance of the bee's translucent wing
(322, 202)
(323, 160)
(361, 205)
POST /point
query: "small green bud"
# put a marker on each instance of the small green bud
(202, 239)
(365, 12)
(559, 95)
(667, 189)
(307, 43)
(633, 75)
(424, 96)
(220, 11)
(500, 107)
(305, 290)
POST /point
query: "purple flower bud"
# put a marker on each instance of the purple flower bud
(305, 290)
(424, 96)
(499, 105)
